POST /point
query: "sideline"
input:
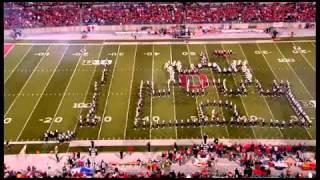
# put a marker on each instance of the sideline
(170, 142)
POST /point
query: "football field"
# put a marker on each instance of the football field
(46, 86)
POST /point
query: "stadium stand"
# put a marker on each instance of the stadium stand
(257, 160)
(31, 15)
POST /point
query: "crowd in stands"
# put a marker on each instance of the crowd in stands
(50, 14)
(257, 159)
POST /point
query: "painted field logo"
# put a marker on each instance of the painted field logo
(193, 81)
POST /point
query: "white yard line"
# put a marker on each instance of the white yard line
(244, 106)
(295, 73)
(275, 75)
(105, 106)
(313, 44)
(205, 47)
(308, 133)
(85, 96)
(299, 81)
(58, 43)
(174, 99)
(25, 124)
(34, 70)
(262, 96)
(313, 68)
(87, 92)
(134, 62)
(151, 119)
(21, 59)
(65, 91)
(201, 131)
(267, 62)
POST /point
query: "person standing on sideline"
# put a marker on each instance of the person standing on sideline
(92, 144)
(121, 154)
(175, 147)
(56, 151)
(205, 137)
(149, 146)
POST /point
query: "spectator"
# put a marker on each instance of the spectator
(121, 154)
(205, 137)
(149, 146)
(236, 173)
(26, 15)
(248, 156)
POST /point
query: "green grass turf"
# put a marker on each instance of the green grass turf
(91, 132)
(210, 93)
(19, 77)
(185, 105)
(46, 148)
(164, 108)
(13, 59)
(49, 88)
(12, 149)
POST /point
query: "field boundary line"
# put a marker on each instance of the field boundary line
(160, 42)
(276, 76)
(205, 47)
(204, 41)
(174, 99)
(109, 89)
(21, 59)
(129, 100)
(44, 89)
(65, 91)
(294, 72)
(201, 131)
(244, 106)
(87, 91)
(262, 96)
(58, 43)
(26, 82)
(304, 57)
(151, 119)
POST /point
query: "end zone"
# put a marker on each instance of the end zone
(7, 48)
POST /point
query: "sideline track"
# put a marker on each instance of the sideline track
(170, 142)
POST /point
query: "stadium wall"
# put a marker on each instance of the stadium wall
(133, 28)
